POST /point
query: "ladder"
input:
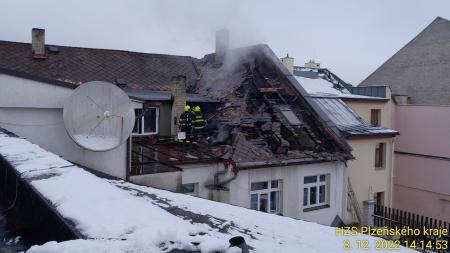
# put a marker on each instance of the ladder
(356, 209)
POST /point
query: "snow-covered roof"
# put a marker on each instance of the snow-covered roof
(319, 86)
(118, 216)
(323, 83)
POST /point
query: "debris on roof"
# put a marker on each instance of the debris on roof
(253, 105)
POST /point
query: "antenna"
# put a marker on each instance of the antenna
(98, 116)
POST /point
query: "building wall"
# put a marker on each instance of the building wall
(363, 108)
(292, 191)
(292, 186)
(33, 110)
(165, 110)
(367, 180)
(421, 182)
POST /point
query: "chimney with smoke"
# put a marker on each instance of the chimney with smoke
(222, 41)
(38, 42)
(288, 62)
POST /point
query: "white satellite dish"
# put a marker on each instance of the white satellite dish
(98, 116)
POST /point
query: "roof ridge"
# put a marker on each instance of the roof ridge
(106, 50)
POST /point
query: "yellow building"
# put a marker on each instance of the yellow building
(363, 115)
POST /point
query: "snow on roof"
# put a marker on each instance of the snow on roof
(318, 86)
(118, 216)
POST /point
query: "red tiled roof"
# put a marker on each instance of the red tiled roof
(75, 65)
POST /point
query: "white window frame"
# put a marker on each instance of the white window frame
(141, 121)
(267, 191)
(317, 185)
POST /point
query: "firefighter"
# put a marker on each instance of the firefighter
(198, 124)
(185, 122)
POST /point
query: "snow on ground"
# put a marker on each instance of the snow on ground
(117, 216)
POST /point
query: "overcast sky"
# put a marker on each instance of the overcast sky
(352, 38)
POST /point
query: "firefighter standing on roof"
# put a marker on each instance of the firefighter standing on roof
(185, 122)
(198, 124)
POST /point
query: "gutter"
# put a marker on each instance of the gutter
(262, 164)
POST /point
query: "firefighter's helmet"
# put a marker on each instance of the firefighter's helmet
(187, 108)
(197, 109)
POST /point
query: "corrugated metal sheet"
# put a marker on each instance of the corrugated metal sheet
(350, 123)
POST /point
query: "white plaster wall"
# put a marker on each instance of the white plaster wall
(292, 191)
(203, 174)
(167, 181)
(33, 110)
(239, 194)
(23, 93)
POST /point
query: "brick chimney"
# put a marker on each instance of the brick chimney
(178, 89)
(288, 62)
(38, 42)
(222, 41)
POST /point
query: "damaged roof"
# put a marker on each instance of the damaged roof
(264, 112)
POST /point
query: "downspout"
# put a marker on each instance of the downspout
(235, 170)
(128, 160)
(217, 185)
(391, 176)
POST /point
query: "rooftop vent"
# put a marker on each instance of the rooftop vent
(53, 49)
(38, 43)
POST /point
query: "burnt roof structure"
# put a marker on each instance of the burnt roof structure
(264, 118)
(421, 68)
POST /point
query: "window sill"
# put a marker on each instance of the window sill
(144, 134)
(380, 168)
(309, 209)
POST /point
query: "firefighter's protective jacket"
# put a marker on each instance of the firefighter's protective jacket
(186, 120)
(199, 121)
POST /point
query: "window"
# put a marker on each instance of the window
(375, 117)
(291, 117)
(265, 196)
(190, 189)
(379, 198)
(148, 123)
(315, 191)
(379, 155)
